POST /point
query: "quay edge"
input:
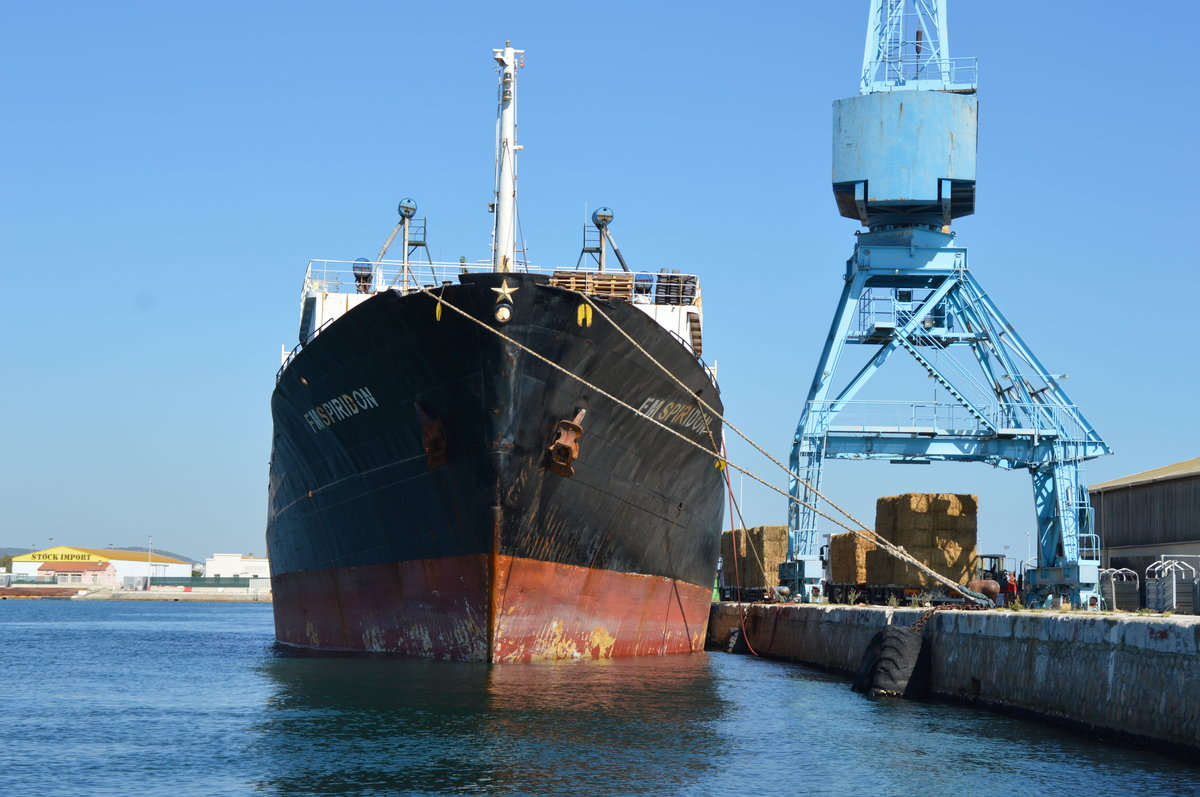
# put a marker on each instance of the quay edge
(1122, 677)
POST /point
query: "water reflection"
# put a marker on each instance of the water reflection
(358, 725)
(702, 724)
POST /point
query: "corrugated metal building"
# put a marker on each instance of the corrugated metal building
(1147, 514)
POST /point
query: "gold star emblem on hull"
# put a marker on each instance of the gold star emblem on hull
(504, 293)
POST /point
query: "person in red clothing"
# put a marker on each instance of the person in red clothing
(1002, 580)
(1010, 588)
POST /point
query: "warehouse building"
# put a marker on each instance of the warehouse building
(1149, 514)
(65, 564)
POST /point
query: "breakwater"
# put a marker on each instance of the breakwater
(1122, 676)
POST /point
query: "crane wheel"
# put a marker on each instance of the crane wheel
(889, 662)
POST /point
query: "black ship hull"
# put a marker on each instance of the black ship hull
(413, 508)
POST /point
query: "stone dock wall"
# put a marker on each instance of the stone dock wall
(1119, 675)
(230, 596)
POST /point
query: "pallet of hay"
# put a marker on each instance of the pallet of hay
(760, 551)
(938, 529)
(848, 558)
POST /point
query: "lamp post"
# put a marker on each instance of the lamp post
(149, 560)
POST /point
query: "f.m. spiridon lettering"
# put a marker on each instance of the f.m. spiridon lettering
(340, 408)
(687, 416)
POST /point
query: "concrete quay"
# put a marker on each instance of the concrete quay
(57, 592)
(230, 596)
(1120, 676)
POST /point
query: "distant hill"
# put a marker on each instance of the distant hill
(181, 557)
(159, 551)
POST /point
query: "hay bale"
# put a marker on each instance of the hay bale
(885, 514)
(911, 537)
(945, 504)
(727, 548)
(771, 542)
(881, 567)
(966, 523)
(841, 557)
(945, 558)
(912, 513)
(954, 562)
(759, 552)
(848, 558)
(918, 519)
(938, 529)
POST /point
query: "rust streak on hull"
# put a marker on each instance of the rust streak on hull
(492, 608)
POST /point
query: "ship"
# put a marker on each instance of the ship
(495, 462)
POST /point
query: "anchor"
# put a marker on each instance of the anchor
(565, 448)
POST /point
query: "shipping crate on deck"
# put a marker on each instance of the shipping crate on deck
(938, 529)
(760, 551)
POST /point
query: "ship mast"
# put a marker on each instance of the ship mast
(504, 245)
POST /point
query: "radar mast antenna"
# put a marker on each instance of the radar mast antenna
(504, 244)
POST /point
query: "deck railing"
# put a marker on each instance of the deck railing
(904, 416)
(919, 71)
(360, 276)
(347, 276)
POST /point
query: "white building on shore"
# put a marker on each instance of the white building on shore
(236, 565)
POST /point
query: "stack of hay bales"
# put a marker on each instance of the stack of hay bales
(848, 558)
(760, 551)
(937, 529)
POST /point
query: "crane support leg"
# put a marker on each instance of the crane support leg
(1068, 549)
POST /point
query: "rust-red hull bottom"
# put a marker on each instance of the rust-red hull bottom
(480, 608)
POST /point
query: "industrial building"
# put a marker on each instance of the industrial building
(236, 565)
(1149, 514)
(66, 564)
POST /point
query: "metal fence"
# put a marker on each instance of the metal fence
(194, 582)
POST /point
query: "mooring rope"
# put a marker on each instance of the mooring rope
(870, 535)
(722, 418)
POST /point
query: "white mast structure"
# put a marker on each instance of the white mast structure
(504, 245)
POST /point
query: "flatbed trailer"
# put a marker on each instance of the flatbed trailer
(882, 594)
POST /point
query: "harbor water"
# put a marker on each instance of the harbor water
(193, 698)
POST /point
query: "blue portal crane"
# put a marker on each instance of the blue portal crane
(904, 167)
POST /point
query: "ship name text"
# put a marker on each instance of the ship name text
(340, 408)
(687, 416)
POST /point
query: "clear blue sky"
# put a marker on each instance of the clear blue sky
(169, 168)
